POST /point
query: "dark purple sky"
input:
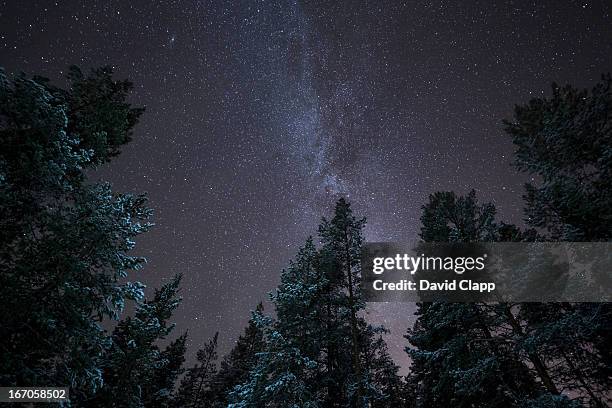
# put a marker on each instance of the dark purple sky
(261, 114)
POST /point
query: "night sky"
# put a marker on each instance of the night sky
(261, 114)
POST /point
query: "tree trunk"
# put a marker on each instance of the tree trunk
(538, 364)
(354, 338)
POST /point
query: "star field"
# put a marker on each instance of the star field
(261, 114)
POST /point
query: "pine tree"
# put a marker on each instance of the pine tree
(500, 354)
(283, 376)
(388, 387)
(342, 239)
(195, 388)
(64, 242)
(565, 142)
(320, 351)
(287, 368)
(235, 366)
(134, 360)
(459, 352)
(159, 392)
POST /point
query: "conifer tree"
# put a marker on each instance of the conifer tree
(286, 369)
(459, 358)
(160, 393)
(235, 367)
(342, 238)
(320, 351)
(65, 243)
(501, 354)
(195, 388)
(283, 376)
(134, 361)
(565, 142)
(388, 386)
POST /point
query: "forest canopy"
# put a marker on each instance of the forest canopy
(67, 262)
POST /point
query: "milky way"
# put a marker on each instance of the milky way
(261, 114)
